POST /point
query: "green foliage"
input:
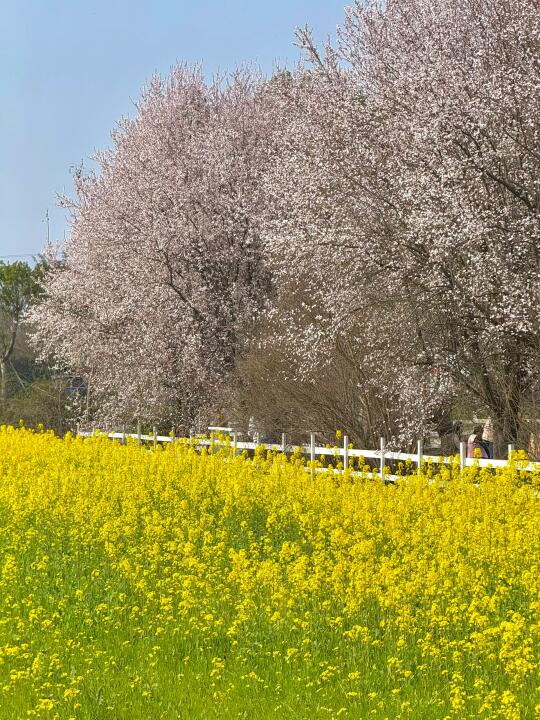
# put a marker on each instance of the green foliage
(19, 286)
(28, 390)
(43, 400)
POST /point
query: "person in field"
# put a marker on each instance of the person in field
(475, 443)
(487, 437)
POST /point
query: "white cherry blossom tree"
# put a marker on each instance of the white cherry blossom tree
(405, 189)
(162, 274)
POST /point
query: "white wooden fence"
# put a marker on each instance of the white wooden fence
(313, 451)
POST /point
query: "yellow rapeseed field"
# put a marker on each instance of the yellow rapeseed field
(167, 583)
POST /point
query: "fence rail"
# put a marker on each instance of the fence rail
(312, 450)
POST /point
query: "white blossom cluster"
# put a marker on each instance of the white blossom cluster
(405, 190)
(162, 274)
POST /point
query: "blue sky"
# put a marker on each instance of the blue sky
(70, 69)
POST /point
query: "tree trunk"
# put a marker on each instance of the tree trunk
(3, 380)
(4, 361)
(507, 420)
(446, 429)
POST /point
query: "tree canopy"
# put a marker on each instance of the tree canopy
(382, 197)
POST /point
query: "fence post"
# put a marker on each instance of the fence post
(78, 429)
(382, 446)
(345, 452)
(139, 441)
(154, 433)
(419, 452)
(510, 450)
(123, 434)
(283, 443)
(462, 455)
(235, 442)
(312, 453)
